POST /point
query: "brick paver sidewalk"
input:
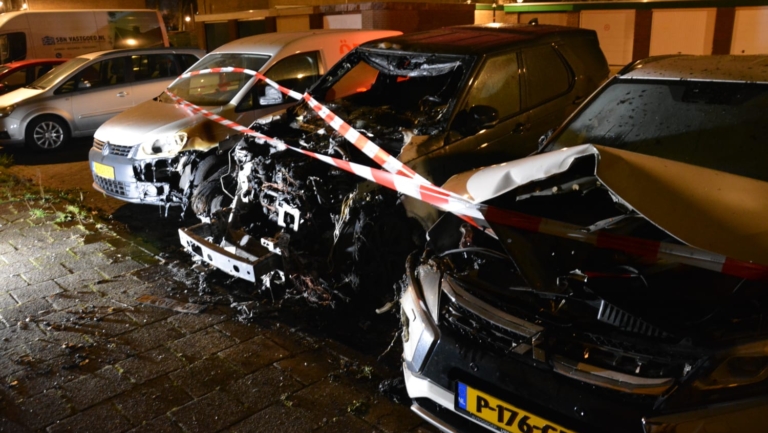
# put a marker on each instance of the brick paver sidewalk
(79, 353)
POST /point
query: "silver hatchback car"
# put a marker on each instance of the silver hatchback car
(81, 94)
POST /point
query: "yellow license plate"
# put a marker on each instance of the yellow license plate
(104, 170)
(501, 415)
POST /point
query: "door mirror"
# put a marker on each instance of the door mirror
(483, 116)
(271, 96)
(84, 84)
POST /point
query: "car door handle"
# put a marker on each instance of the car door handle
(520, 128)
(122, 94)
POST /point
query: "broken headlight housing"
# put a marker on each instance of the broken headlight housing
(744, 365)
(6, 111)
(166, 145)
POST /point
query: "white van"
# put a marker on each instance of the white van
(158, 152)
(70, 33)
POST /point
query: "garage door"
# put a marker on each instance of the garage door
(682, 31)
(749, 31)
(615, 30)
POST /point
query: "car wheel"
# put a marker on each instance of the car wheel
(47, 133)
(209, 196)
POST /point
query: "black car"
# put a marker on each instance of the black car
(441, 101)
(624, 288)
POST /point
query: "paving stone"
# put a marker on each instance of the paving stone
(213, 412)
(6, 300)
(79, 299)
(96, 388)
(202, 344)
(389, 416)
(291, 340)
(264, 387)
(43, 409)
(10, 360)
(6, 248)
(146, 314)
(151, 399)
(119, 268)
(109, 325)
(205, 376)
(32, 308)
(310, 367)
(254, 354)
(328, 399)
(6, 425)
(191, 323)
(149, 336)
(47, 273)
(45, 350)
(347, 424)
(33, 245)
(99, 419)
(87, 263)
(41, 377)
(278, 419)
(58, 256)
(162, 424)
(10, 282)
(239, 331)
(15, 337)
(151, 364)
(79, 279)
(33, 291)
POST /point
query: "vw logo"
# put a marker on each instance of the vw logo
(105, 149)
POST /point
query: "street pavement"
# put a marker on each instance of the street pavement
(79, 352)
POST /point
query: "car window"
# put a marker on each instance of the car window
(13, 47)
(16, 78)
(41, 70)
(219, 88)
(716, 125)
(186, 61)
(546, 75)
(297, 72)
(497, 86)
(97, 75)
(152, 66)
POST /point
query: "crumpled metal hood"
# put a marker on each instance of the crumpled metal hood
(708, 209)
(149, 119)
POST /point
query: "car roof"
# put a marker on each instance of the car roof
(739, 68)
(20, 63)
(476, 39)
(273, 43)
(170, 50)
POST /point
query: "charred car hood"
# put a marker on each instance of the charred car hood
(704, 208)
(154, 118)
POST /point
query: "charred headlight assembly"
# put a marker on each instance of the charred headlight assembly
(6, 111)
(744, 365)
(167, 145)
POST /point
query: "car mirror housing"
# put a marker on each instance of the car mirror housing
(271, 96)
(483, 116)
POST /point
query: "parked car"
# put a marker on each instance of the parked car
(19, 74)
(625, 290)
(81, 94)
(156, 153)
(442, 101)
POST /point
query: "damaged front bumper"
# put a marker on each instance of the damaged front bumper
(246, 259)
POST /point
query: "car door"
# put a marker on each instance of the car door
(296, 72)
(100, 91)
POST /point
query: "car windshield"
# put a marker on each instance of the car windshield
(219, 88)
(58, 73)
(718, 125)
(394, 91)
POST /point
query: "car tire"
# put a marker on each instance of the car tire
(47, 133)
(209, 196)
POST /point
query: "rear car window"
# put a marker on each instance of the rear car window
(546, 75)
(717, 125)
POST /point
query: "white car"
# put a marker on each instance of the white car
(81, 94)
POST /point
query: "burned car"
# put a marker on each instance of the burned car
(441, 101)
(620, 284)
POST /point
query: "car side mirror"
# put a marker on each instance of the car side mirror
(271, 96)
(85, 84)
(483, 116)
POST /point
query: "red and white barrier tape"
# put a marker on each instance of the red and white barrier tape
(481, 215)
(369, 148)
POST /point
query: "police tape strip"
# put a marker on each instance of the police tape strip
(482, 215)
(369, 148)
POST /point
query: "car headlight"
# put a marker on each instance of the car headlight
(743, 365)
(165, 145)
(6, 111)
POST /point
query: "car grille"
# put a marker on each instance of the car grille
(114, 149)
(112, 186)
